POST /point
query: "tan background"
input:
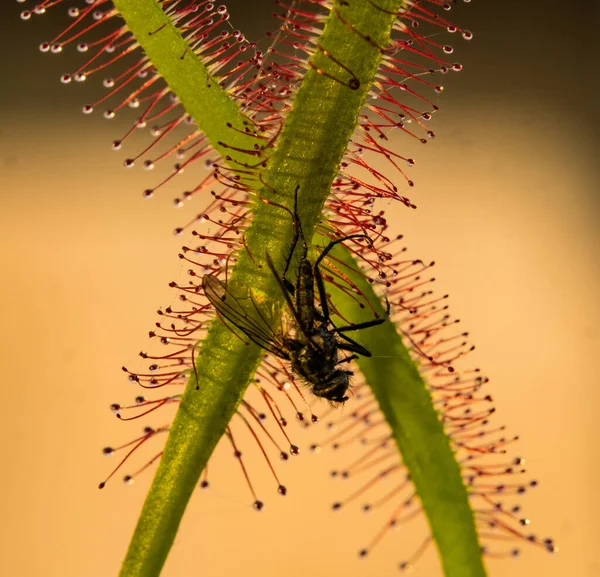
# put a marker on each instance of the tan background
(508, 207)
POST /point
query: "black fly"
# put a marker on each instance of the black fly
(313, 349)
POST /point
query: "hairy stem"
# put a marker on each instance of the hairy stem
(308, 153)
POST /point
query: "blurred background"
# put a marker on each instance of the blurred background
(508, 207)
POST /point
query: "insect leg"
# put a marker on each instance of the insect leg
(353, 347)
(285, 292)
(348, 359)
(328, 248)
(319, 278)
(297, 233)
(366, 324)
(322, 295)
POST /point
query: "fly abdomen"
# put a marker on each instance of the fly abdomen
(305, 295)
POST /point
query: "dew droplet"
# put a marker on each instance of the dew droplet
(524, 522)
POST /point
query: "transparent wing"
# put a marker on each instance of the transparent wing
(253, 324)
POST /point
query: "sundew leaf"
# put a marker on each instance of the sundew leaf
(407, 406)
(314, 137)
(211, 108)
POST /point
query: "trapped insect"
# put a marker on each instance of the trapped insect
(313, 350)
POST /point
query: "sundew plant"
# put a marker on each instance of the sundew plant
(310, 113)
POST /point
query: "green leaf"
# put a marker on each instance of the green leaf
(406, 404)
(308, 153)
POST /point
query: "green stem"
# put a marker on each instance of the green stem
(406, 404)
(308, 153)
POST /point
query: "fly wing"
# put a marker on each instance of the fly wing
(254, 325)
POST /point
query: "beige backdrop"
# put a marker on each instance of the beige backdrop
(508, 208)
